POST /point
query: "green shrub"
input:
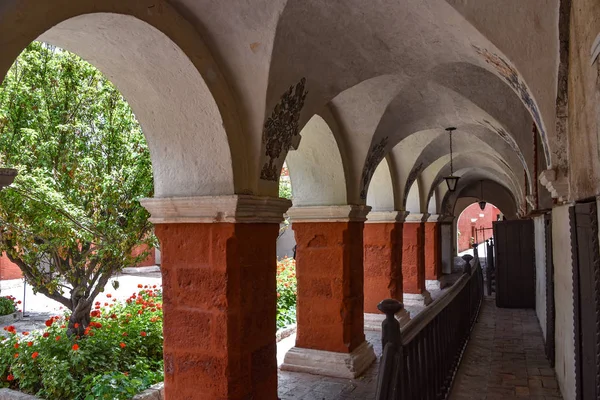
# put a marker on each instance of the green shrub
(8, 305)
(119, 355)
(286, 292)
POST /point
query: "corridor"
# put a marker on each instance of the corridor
(505, 358)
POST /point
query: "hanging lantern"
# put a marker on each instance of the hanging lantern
(451, 180)
(482, 203)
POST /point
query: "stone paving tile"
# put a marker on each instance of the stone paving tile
(505, 359)
(301, 386)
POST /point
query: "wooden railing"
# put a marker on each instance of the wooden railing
(419, 362)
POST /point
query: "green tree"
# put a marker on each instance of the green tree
(72, 216)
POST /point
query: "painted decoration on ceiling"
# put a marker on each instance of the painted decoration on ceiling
(374, 157)
(412, 177)
(280, 129)
(511, 76)
(508, 139)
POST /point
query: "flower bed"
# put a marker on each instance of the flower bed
(286, 292)
(8, 305)
(119, 355)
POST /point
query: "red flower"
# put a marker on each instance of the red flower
(57, 338)
(108, 296)
(19, 302)
(25, 333)
(35, 355)
(122, 345)
(46, 334)
(76, 325)
(16, 355)
(125, 334)
(10, 377)
(75, 347)
(16, 345)
(144, 334)
(62, 326)
(29, 344)
(49, 322)
(10, 329)
(140, 285)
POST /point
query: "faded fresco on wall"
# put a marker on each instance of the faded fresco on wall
(280, 128)
(511, 76)
(374, 157)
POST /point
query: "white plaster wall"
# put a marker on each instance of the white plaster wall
(540, 271)
(381, 192)
(316, 169)
(563, 293)
(413, 201)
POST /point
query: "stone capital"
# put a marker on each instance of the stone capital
(381, 217)
(415, 218)
(344, 213)
(216, 209)
(434, 218)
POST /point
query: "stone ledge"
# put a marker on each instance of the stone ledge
(155, 392)
(285, 332)
(329, 363)
(7, 319)
(7, 394)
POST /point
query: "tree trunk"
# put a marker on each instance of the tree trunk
(80, 318)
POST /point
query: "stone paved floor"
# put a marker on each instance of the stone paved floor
(301, 386)
(505, 359)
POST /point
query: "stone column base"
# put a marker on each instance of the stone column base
(329, 363)
(373, 321)
(423, 299)
(433, 285)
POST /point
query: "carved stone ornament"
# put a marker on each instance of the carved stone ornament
(374, 157)
(281, 128)
(558, 187)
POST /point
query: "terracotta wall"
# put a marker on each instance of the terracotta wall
(464, 223)
(8, 270)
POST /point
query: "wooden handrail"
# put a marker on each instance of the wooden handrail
(419, 361)
(416, 325)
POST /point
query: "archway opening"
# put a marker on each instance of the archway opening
(474, 226)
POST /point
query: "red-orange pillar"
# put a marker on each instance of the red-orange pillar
(413, 260)
(219, 295)
(433, 257)
(382, 264)
(330, 336)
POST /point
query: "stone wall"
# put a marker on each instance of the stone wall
(583, 91)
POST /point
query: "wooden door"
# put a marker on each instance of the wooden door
(515, 264)
(550, 308)
(586, 283)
